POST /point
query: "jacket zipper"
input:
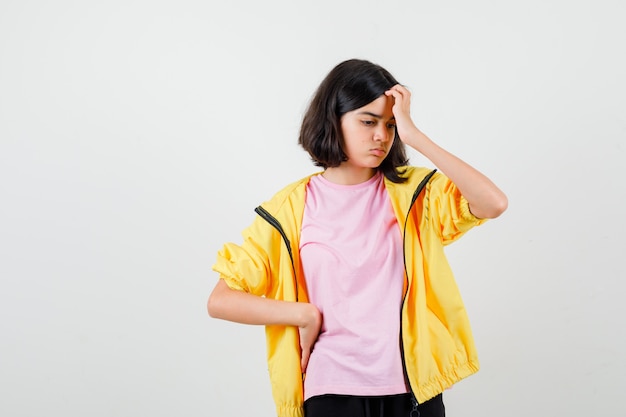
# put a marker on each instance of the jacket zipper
(276, 224)
(416, 194)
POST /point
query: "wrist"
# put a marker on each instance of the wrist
(415, 139)
(309, 315)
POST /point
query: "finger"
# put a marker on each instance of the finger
(305, 360)
(394, 93)
(400, 91)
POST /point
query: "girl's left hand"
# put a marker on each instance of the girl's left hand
(402, 110)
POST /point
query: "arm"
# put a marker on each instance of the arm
(241, 307)
(485, 199)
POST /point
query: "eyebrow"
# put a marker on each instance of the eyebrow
(377, 116)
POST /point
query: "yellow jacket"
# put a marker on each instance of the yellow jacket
(437, 344)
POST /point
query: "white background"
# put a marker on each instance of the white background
(137, 136)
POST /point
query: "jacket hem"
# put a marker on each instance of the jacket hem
(436, 386)
(289, 410)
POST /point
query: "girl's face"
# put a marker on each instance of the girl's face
(368, 134)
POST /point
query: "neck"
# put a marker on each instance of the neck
(348, 176)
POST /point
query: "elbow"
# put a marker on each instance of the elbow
(220, 300)
(210, 307)
(213, 305)
(498, 207)
(502, 205)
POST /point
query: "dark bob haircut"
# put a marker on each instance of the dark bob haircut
(350, 85)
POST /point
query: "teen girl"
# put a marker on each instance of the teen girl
(346, 267)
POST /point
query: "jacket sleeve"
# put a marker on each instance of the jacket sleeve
(447, 210)
(246, 267)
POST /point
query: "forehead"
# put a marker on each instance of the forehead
(381, 106)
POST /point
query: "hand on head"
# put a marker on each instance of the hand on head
(401, 109)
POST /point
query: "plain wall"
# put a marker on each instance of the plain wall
(136, 137)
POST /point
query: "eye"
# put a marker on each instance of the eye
(391, 126)
(369, 122)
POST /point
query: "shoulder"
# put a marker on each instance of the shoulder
(402, 195)
(294, 191)
(414, 176)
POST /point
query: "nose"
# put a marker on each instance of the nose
(382, 133)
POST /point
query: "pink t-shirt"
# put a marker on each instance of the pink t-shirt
(351, 251)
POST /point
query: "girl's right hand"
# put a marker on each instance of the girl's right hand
(309, 330)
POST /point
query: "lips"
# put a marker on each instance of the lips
(378, 151)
